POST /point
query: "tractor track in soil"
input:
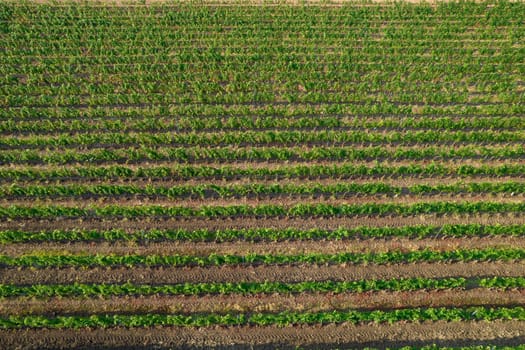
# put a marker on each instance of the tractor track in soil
(261, 273)
(405, 181)
(284, 247)
(234, 303)
(284, 200)
(270, 337)
(223, 223)
(244, 164)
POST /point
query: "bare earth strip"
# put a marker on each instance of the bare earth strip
(276, 223)
(285, 200)
(242, 164)
(289, 274)
(398, 182)
(271, 337)
(399, 244)
(303, 302)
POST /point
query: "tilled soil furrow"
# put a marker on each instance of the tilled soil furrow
(303, 302)
(400, 244)
(391, 181)
(284, 200)
(275, 223)
(287, 273)
(270, 337)
(242, 164)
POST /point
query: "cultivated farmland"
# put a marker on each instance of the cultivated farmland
(262, 175)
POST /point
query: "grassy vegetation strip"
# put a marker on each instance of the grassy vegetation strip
(258, 234)
(264, 319)
(463, 255)
(298, 210)
(197, 153)
(253, 189)
(105, 290)
(186, 172)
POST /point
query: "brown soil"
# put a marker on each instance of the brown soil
(131, 225)
(303, 148)
(271, 337)
(285, 164)
(266, 200)
(398, 182)
(243, 248)
(290, 274)
(304, 302)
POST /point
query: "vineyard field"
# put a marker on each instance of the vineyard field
(262, 174)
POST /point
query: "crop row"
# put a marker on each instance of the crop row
(242, 75)
(258, 234)
(237, 13)
(310, 40)
(174, 123)
(459, 255)
(156, 78)
(164, 91)
(378, 110)
(298, 210)
(265, 319)
(327, 35)
(156, 37)
(244, 138)
(104, 290)
(186, 172)
(499, 42)
(493, 53)
(255, 190)
(33, 88)
(255, 97)
(197, 153)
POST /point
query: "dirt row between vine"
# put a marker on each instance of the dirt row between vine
(398, 182)
(148, 223)
(284, 200)
(191, 159)
(242, 164)
(261, 273)
(236, 303)
(270, 337)
(398, 244)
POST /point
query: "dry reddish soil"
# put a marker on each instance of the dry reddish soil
(167, 275)
(398, 182)
(275, 223)
(242, 164)
(285, 200)
(272, 337)
(243, 248)
(304, 302)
